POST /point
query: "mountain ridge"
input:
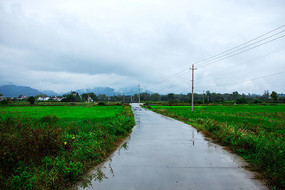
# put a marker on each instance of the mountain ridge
(12, 90)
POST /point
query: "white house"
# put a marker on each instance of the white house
(2, 98)
(43, 98)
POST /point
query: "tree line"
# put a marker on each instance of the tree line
(208, 97)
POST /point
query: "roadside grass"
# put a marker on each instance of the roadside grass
(50, 147)
(257, 133)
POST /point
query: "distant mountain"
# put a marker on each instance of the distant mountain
(98, 90)
(127, 91)
(50, 93)
(110, 91)
(15, 91)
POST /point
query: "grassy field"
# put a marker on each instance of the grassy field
(257, 133)
(50, 147)
(65, 113)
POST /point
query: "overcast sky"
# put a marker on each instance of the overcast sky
(64, 45)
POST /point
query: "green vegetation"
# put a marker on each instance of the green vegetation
(274, 96)
(50, 147)
(31, 100)
(4, 102)
(257, 133)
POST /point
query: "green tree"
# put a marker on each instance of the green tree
(69, 98)
(241, 101)
(31, 100)
(274, 96)
(77, 98)
(72, 97)
(155, 97)
(170, 97)
(84, 96)
(265, 95)
(91, 95)
(235, 95)
(4, 102)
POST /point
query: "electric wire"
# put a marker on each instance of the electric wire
(211, 59)
(242, 51)
(229, 50)
(249, 80)
(228, 53)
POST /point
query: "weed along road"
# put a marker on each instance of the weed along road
(163, 153)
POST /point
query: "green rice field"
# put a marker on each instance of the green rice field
(257, 133)
(50, 147)
(63, 112)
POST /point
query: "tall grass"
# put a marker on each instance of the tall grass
(40, 151)
(257, 133)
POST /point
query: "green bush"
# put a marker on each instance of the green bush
(241, 101)
(101, 104)
(22, 178)
(25, 143)
(31, 100)
(4, 102)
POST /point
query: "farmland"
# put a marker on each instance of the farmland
(50, 147)
(257, 133)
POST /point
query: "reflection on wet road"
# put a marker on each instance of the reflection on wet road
(163, 153)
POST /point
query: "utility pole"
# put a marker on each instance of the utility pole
(124, 97)
(192, 85)
(131, 96)
(139, 89)
(203, 98)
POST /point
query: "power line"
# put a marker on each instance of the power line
(221, 56)
(257, 58)
(249, 80)
(182, 72)
(230, 84)
(234, 83)
(177, 75)
(244, 47)
(240, 45)
(242, 51)
(237, 50)
(187, 71)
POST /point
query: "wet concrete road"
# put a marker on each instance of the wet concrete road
(163, 153)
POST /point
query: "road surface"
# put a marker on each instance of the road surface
(163, 153)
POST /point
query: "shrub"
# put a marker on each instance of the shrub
(101, 104)
(23, 143)
(22, 178)
(256, 101)
(4, 102)
(241, 101)
(69, 170)
(31, 100)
